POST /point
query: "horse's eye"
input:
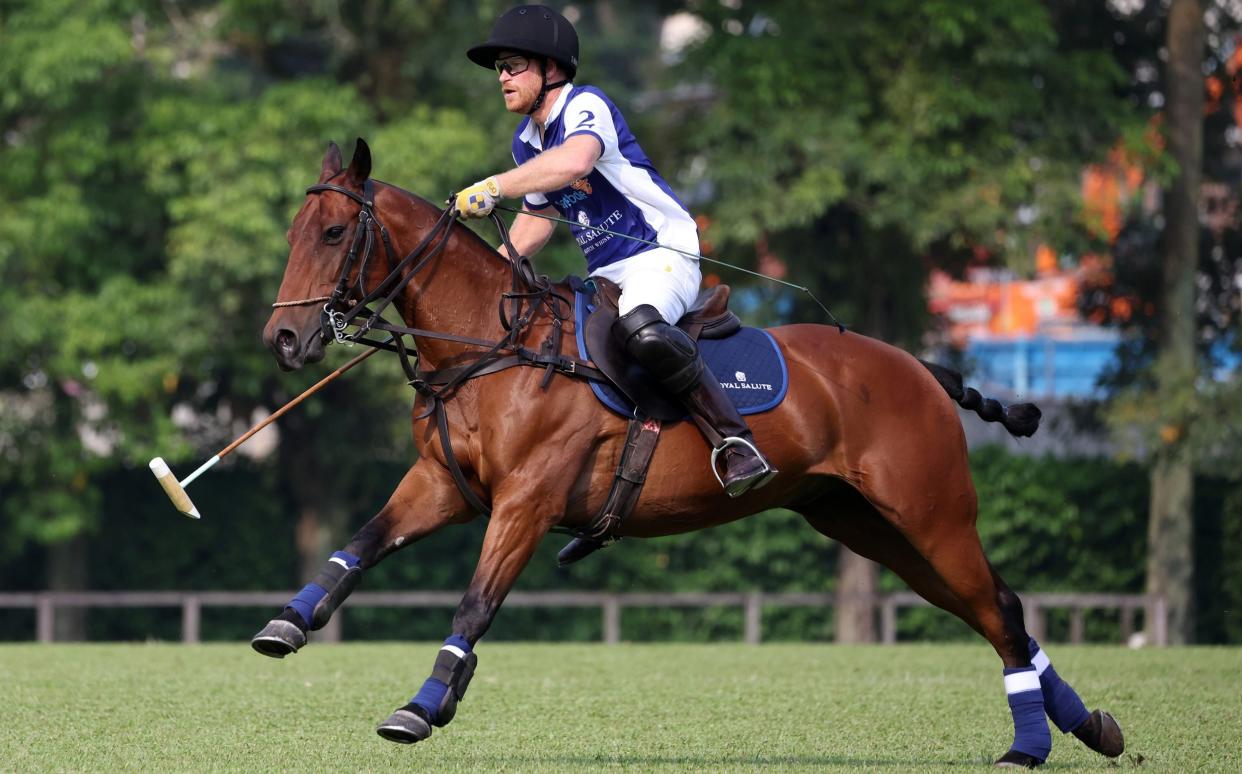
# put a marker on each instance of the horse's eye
(333, 235)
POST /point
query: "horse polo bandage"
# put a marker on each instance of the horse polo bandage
(450, 677)
(316, 602)
(1061, 702)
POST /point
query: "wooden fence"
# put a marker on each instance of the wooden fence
(610, 604)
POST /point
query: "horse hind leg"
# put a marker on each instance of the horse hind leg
(849, 519)
(1033, 686)
(1097, 729)
(852, 520)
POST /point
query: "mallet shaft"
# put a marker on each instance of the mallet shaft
(176, 489)
(278, 413)
(201, 470)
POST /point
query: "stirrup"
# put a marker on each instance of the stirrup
(758, 480)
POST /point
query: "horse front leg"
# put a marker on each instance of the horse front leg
(424, 501)
(511, 538)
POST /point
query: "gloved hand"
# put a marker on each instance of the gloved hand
(477, 201)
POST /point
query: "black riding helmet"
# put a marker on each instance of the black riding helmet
(531, 29)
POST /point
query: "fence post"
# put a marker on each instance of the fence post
(1033, 615)
(612, 619)
(888, 620)
(1158, 620)
(1076, 625)
(191, 615)
(45, 619)
(331, 631)
(754, 617)
(1127, 623)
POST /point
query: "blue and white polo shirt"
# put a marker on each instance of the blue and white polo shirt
(623, 193)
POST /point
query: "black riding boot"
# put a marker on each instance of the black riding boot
(672, 357)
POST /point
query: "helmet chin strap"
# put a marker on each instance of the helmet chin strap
(544, 87)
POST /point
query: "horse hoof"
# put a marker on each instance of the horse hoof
(278, 639)
(1102, 733)
(1017, 760)
(404, 727)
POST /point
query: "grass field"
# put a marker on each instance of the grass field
(587, 707)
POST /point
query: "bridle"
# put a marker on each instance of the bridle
(338, 313)
(529, 296)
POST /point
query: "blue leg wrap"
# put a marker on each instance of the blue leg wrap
(431, 697)
(1061, 702)
(1026, 703)
(303, 603)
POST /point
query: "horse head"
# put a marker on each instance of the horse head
(319, 239)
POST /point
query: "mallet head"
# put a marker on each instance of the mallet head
(173, 488)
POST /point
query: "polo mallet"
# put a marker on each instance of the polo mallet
(176, 489)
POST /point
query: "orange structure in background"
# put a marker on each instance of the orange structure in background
(994, 303)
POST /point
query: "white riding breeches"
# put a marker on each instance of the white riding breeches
(667, 280)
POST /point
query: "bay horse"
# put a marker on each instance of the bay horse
(868, 442)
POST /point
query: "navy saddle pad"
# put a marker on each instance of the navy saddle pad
(748, 364)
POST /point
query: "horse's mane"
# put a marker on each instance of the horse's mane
(469, 233)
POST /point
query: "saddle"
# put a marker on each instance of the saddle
(707, 318)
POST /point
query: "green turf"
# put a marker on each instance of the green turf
(583, 707)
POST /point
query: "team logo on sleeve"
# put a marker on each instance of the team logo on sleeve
(579, 190)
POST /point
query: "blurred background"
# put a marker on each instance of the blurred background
(1043, 193)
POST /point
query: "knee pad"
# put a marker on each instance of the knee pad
(664, 350)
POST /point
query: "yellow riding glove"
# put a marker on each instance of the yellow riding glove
(477, 201)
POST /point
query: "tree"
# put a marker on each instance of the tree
(1170, 562)
(1173, 282)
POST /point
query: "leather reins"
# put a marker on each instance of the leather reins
(518, 308)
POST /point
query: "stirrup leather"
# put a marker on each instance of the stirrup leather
(765, 475)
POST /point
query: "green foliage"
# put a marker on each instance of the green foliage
(935, 117)
(1062, 524)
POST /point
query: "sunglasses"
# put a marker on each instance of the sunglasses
(513, 65)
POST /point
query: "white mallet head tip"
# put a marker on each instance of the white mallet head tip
(174, 490)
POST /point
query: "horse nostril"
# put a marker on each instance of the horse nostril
(286, 340)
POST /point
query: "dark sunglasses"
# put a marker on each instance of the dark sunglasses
(513, 65)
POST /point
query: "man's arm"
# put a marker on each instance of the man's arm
(529, 234)
(551, 169)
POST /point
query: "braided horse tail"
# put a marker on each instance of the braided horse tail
(1020, 419)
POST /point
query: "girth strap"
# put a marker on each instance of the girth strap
(459, 478)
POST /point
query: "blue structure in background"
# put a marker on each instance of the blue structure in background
(1043, 366)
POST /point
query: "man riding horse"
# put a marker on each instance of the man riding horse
(576, 155)
(868, 438)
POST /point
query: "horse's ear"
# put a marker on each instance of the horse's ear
(360, 165)
(331, 162)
